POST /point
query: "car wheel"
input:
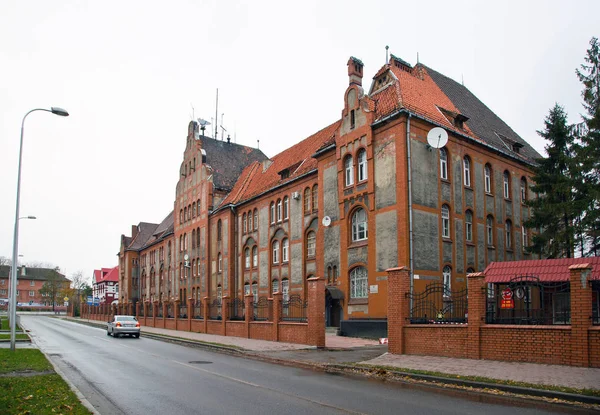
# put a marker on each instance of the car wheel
(137, 336)
(107, 332)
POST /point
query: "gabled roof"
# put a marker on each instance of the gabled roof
(547, 270)
(163, 230)
(111, 275)
(146, 230)
(227, 160)
(297, 160)
(30, 273)
(482, 121)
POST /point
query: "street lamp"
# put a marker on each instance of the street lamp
(13, 282)
(9, 283)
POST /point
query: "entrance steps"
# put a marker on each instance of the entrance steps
(332, 330)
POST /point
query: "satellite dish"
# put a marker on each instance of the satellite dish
(326, 221)
(203, 123)
(437, 137)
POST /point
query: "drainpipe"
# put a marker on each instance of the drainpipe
(410, 209)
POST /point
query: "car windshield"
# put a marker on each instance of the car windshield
(126, 318)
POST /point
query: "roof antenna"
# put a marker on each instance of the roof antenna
(462, 79)
(386, 54)
(417, 57)
(193, 114)
(217, 116)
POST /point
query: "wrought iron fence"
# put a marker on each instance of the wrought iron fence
(182, 311)
(438, 305)
(237, 309)
(294, 309)
(198, 310)
(170, 310)
(150, 310)
(261, 309)
(214, 310)
(596, 302)
(141, 310)
(160, 310)
(527, 300)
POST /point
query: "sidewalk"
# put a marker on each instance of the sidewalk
(343, 350)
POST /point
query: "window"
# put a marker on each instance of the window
(185, 214)
(362, 165)
(181, 216)
(254, 256)
(315, 198)
(352, 119)
(274, 286)
(286, 208)
(467, 171)
(508, 234)
(488, 178)
(311, 244)
(469, 226)
(490, 230)
(219, 230)
(194, 210)
(447, 274)
(220, 262)
(285, 289)
(246, 289)
(276, 252)
(32, 293)
(525, 237)
(285, 247)
(244, 223)
(307, 202)
(247, 258)
(349, 171)
(255, 219)
(250, 221)
(32, 283)
(272, 210)
(359, 283)
(443, 164)
(523, 190)
(193, 238)
(278, 210)
(255, 291)
(445, 221)
(506, 181)
(359, 225)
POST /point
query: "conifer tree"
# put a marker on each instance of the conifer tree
(554, 210)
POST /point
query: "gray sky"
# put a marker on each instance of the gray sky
(129, 73)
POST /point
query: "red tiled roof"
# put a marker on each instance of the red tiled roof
(106, 274)
(549, 270)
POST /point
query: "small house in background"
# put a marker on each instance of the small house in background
(105, 284)
(30, 281)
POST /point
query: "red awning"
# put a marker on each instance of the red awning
(547, 270)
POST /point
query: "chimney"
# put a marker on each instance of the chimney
(355, 71)
(134, 231)
(23, 271)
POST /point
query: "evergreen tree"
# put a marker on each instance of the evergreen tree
(555, 208)
(588, 152)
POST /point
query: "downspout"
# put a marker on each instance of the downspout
(410, 209)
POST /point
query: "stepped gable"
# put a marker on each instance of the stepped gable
(297, 160)
(483, 121)
(227, 160)
(146, 230)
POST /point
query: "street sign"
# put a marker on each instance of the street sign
(90, 300)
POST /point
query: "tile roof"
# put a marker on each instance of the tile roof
(30, 273)
(146, 230)
(162, 230)
(227, 160)
(482, 121)
(548, 270)
(111, 275)
(257, 179)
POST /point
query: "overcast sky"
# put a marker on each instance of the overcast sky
(133, 73)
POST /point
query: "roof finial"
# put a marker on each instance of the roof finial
(417, 57)
(386, 54)
(462, 79)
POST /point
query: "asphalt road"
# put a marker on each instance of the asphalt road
(146, 376)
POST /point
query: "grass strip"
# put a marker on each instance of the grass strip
(22, 360)
(18, 336)
(380, 370)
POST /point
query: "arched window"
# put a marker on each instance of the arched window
(247, 258)
(194, 210)
(467, 171)
(348, 171)
(185, 214)
(490, 230)
(272, 211)
(180, 216)
(278, 210)
(487, 172)
(311, 244)
(447, 274)
(247, 288)
(286, 208)
(255, 219)
(285, 289)
(219, 230)
(285, 247)
(508, 229)
(255, 291)
(523, 189)
(198, 207)
(359, 281)
(275, 252)
(469, 226)
(193, 238)
(443, 164)
(254, 256)
(250, 221)
(445, 221)
(362, 164)
(506, 182)
(525, 237)
(185, 241)
(244, 224)
(274, 286)
(359, 225)
(220, 262)
(315, 198)
(198, 237)
(307, 201)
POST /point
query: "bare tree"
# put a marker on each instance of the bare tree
(55, 287)
(4, 260)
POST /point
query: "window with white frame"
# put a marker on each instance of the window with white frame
(508, 227)
(349, 171)
(523, 190)
(469, 226)
(445, 221)
(359, 225)
(255, 256)
(525, 237)
(220, 262)
(32, 293)
(250, 221)
(278, 210)
(489, 224)
(315, 198)
(274, 286)
(286, 208)
(447, 274)
(487, 171)
(246, 288)
(244, 223)
(275, 252)
(247, 258)
(443, 164)
(359, 281)
(362, 164)
(307, 202)
(285, 289)
(311, 244)
(467, 171)
(506, 184)
(272, 211)
(285, 247)
(32, 283)
(255, 219)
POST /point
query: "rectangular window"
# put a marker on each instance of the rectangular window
(32, 293)
(32, 283)
(3, 292)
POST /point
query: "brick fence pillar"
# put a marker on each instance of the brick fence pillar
(176, 304)
(316, 312)
(581, 313)
(277, 297)
(146, 305)
(249, 310)
(154, 312)
(206, 312)
(398, 307)
(477, 306)
(137, 309)
(190, 312)
(224, 314)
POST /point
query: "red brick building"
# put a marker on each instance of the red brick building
(29, 283)
(105, 284)
(364, 194)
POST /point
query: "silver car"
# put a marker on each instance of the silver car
(119, 325)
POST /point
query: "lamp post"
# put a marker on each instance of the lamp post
(13, 282)
(17, 265)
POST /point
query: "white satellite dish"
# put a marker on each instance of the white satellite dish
(326, 221)
(203, 123)
(437, 137)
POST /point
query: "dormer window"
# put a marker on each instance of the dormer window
(516, 147)
(284, 174)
